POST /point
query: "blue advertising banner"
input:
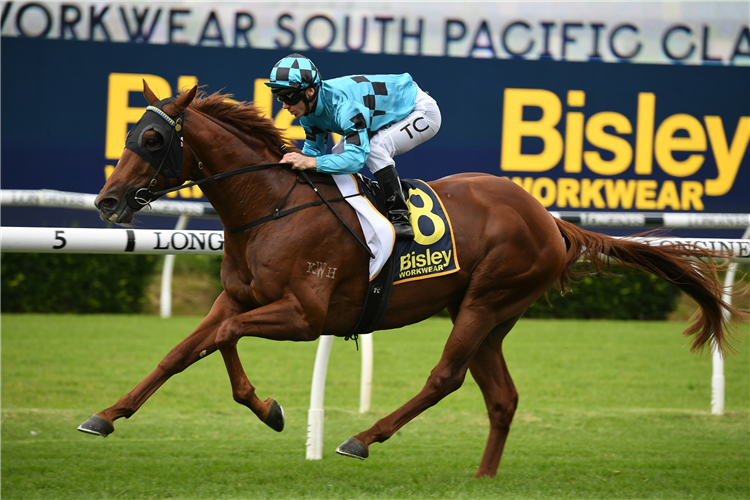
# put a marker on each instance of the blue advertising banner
(577, 135)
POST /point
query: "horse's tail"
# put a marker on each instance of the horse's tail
(689, 267)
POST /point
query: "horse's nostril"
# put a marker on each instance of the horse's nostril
(106, 203)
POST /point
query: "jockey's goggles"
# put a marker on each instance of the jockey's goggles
(290, 98)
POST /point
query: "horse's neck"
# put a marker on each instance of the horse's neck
(244, 197)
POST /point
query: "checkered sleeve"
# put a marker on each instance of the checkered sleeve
(353, 119)
(315, 140)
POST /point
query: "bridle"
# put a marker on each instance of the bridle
(170, 159)
(167, 159)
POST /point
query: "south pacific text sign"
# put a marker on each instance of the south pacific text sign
(635, 32)
(110, 241)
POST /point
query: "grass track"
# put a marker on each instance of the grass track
(608, 410)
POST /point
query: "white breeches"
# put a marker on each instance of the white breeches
(421, 124)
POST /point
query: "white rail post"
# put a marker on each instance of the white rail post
(165, 300)
(717, 382)
(317, 393)
(717, 377)
(365, 384)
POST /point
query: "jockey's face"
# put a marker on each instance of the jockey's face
(298, 110)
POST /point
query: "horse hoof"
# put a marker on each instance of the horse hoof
(97, 426)
(275, 419)
(353, 448)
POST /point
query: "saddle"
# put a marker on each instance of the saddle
(431, 253)
(379, 289)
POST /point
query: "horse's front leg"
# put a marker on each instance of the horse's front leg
(196, 346)
(284, 319)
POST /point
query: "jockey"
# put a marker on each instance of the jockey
(378, 117)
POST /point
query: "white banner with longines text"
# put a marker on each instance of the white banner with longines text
(627, 31)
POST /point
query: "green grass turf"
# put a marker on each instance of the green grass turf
(607, 410)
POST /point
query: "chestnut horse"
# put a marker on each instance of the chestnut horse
(510, 248)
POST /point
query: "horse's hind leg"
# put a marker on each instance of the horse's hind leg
(491, 374)
(196, 346)
(468, 332)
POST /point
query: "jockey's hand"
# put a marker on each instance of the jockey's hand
(300, 162)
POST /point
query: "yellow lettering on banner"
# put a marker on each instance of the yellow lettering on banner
(576, 98)
(692, 192)
(263, 101)
(644, 139)
(262, 97)
(591, 193)
(645, 194)
(666, 142)
(547, 186)
(515, 128)
(567, 193)
(574, 132)
(120, 114)
(108, 169)
(728, 158)
(679, 145)
(573, 141)
(598, 137)
(668, 197)
(619, 193)
(642, 194)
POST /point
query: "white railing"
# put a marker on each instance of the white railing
(170, 241)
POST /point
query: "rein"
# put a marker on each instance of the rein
(136, 201)
(222, 175)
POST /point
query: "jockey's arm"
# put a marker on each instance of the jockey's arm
(315, 146)
(353, 120)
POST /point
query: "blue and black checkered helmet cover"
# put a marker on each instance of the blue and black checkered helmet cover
(294, 72)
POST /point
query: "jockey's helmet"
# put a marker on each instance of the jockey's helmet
(293, 72)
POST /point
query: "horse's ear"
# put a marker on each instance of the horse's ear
(149, 94)
(181, 103)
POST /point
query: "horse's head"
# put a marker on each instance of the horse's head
(152, 160)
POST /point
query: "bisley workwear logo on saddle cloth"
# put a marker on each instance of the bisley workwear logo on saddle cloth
(432, 252)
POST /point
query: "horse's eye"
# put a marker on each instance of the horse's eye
(153, 142)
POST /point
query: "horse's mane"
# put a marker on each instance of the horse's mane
(241, 115)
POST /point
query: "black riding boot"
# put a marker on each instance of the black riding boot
(395, 202)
